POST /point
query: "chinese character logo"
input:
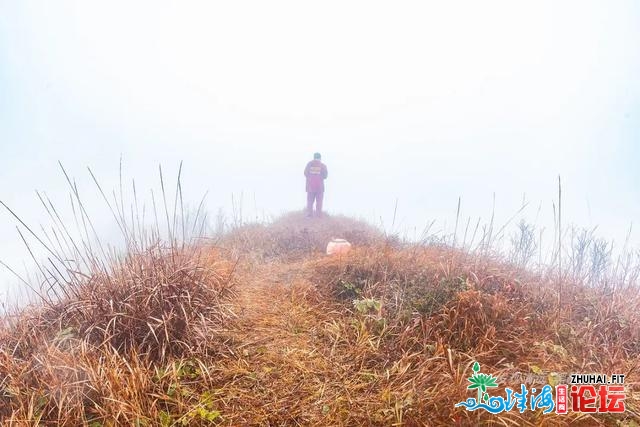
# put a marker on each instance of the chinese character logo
(523, 400)
(588, 393)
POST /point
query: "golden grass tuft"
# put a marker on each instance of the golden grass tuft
(90, 358)
(429, 313)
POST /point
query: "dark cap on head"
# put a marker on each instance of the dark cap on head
(317, 156)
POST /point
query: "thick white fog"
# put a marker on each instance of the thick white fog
(419, 102)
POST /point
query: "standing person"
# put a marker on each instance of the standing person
(316, 173)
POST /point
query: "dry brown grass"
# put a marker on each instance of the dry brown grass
(294, 236)
(432, 312)
(91, 358)
(162, 340)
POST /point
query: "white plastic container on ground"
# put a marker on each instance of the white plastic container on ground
(338, 246)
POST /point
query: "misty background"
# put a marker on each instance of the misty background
(415, 102)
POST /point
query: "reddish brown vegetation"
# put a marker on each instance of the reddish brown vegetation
(383, 335)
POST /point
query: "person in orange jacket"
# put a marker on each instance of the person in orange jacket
(316, 173)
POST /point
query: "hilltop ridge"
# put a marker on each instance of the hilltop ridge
(261, 328)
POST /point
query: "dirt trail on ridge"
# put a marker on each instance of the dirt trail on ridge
(280, 367)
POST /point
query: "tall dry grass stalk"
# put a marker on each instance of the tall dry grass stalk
(105, 318)
(559, 242)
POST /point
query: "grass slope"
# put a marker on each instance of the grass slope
(263, 329)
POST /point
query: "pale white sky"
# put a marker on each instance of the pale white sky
(421, 101)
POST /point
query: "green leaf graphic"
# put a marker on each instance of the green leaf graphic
(481, 382)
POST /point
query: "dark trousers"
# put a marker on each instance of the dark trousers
(316, 196)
